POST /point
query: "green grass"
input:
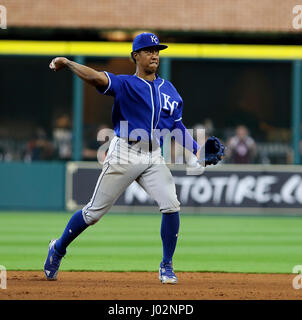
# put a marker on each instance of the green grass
(132, 243)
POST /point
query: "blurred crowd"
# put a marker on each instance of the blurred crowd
(241, 147)
(54, 146)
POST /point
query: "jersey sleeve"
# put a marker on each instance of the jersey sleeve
(177, 114)
(186, 140)
(114, 84)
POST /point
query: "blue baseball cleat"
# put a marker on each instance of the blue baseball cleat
(166, 273)
(52, 262)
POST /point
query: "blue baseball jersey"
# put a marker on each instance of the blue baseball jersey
(143, 104)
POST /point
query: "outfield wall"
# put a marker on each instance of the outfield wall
(34, 186)
(226, 189)
(256, 189)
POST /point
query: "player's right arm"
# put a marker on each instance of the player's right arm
(91, 76)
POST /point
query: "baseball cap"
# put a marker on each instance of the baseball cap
(145, 40)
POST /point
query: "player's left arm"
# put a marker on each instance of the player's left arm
(185, 139)
(213, 149)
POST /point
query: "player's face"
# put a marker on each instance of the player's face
(148, 59)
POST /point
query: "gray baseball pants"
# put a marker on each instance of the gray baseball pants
(124, 164)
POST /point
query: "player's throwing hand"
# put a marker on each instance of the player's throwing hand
(58, 63)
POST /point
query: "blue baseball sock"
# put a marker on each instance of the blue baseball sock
(169, 234)
(75, 226)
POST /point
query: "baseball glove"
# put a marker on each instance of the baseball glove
(214, 151)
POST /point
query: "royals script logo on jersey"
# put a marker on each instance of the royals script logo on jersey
(169, 105)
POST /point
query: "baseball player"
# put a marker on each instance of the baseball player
(146, 103)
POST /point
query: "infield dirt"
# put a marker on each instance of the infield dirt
(32, 285)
